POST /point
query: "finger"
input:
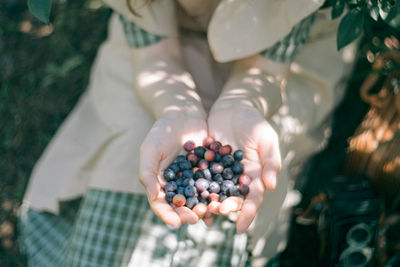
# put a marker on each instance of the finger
(150, 182)
(148, 169)
(186, 215)
(269, 175)
(165, 211)
(200, 210)
(213, 207)
(231, 204)
(208, 218)
(250, 205)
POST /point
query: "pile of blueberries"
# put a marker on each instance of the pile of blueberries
(207, 173)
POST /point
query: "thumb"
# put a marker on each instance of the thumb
(269, 175)
(148, 170)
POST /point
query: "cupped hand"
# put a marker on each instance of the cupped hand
(245, 128)
(159, 149)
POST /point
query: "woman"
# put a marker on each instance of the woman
(259, 81)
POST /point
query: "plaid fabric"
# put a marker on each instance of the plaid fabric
(286, 49)
(120, 229)
(136, 36)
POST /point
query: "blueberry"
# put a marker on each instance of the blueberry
(191, 202)
(190, 191)
(222, 197)
(214, 187)
(238, 155)
(199, 174)
(181, 190)
(244, 179)
(235, 179)
(199, 151)
(169, 175)
(187, 174)
(207, 174)
(227, 160)
(189, 145)
(185, 165)
(202, 184)
(188, 181)
(203, 164)
(217, 167)
(225, 150)
(179, 200)
(180, 158)
(226, 185)
(191, 182)
(202, 200)
(234, 192)
(227, 173)
(174, 167)
(237, 167)
(215, 146)
(192, 158)
(205, 194)
(169, 196)
(244, 189)
(207, 141)
(170, 187)
(218, 178)
(218, 157)
(179, 182)
(209, 155)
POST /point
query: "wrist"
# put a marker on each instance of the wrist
(254, 83)
(185, 110)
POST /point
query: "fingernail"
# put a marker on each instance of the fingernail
(271, 184)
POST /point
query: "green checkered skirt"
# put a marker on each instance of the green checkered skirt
(119, 229)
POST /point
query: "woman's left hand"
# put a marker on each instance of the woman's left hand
(245, 128)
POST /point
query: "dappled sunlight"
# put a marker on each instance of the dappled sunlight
(193, 94)
(180, 97)
(254, 71)
(27, 27)
(263, 103)
(317, 99)
(392, 165)
(159, 93)
(349, 53)
(145, 79)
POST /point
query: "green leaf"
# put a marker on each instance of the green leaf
(350, 28)
(337, 8)
(40, 9)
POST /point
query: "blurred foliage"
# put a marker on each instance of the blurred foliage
(361, 16)
(43, 70)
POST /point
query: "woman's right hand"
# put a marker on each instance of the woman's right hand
(161, 146)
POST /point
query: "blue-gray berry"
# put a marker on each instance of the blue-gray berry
(227, 160)
(170, 187)
(169, 196)
(238, 155)
(214, 187)
(227, 173)
(191, 202)
(237, 167)
(190, 191)
(169, 175)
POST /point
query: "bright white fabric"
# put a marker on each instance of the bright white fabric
(236, 28)
(98, 144)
